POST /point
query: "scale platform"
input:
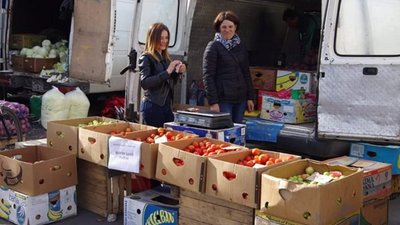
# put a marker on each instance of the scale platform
(203, 118)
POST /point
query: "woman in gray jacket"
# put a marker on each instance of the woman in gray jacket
(226, 72)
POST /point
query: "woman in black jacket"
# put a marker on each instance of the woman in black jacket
(158, 74)
(226, 72)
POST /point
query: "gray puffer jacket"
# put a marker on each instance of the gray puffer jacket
(226, 74)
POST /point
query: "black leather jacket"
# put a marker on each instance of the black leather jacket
(226, 74)
(155, 80)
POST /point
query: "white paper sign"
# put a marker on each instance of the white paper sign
(124, 154)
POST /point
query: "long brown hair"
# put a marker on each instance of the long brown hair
(153, 39)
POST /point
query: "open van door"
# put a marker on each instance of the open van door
(359, 79)
(101, 32)
(176, 15)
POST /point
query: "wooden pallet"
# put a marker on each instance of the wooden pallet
(101, 190)
(200, 209)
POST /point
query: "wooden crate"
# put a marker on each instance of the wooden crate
(200, 209)
(101, 190)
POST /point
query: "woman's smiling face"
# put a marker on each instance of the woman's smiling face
(227, 29)
(163, 41)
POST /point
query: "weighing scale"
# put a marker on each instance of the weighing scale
(203, 118)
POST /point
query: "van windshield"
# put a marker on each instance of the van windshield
(368, 28)
(164, 11)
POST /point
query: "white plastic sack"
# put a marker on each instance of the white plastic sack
(78, 104)
(53, 106)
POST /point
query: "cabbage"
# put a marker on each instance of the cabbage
(46, 43)
(42, 52)
(36, 49)
(23, 51)
(29, 52)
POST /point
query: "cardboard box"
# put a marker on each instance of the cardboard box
(235, 134)
(395, 183)
(150, 207)
(94, 141)
(37, 170)
(19, 41)
(264, 219)
(377, 176)
(35, 65)
(381, 153)
(375, 213)
(191, 174)
(149, 152)
(270, 130)
(310, 203)
(245, 188)
(40, 209)
(63, 134)
(288, 80)
(263, 78)
(288, 110)
(18, 62)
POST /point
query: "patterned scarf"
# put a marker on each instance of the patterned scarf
(228, 44)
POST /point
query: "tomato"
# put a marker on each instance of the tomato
(195, 144)
(250, 163)
(161, 130)
(278, 161)
(263, 158)
(229, 175)
(169, 134)
(178, 162)
(255, 151)
(152, 135)
(149, 140)
(178, 137)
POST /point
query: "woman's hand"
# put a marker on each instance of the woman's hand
(214, 107)
(250, 105)
(181, 68)
(173, 66)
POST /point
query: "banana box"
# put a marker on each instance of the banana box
(151, 207)
(288, 80)
(46, 208)
(288, 110)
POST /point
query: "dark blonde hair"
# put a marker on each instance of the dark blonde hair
(226, 15)
(153, 39)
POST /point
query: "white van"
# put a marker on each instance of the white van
(358, 93)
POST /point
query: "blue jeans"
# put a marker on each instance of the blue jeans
(235, 109)
(155, 115)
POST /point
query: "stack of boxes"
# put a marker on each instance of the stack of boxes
(377, 186)
(285, 96)
(37, 185)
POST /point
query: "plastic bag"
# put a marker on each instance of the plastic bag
(78, 104)
(53, 106)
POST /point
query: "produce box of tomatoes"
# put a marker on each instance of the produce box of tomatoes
(93, 140)
(236, 177)
(335, 192)
(183, 163)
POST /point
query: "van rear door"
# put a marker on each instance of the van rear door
(359, 82)
(101, 35)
